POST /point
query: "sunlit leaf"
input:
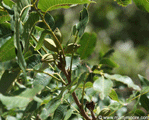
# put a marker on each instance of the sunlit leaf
(142, 4)
(113, 95)
(46, 5)
(124, 79)
(103, 86)
(4, 16)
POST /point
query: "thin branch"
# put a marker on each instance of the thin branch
(52, 33)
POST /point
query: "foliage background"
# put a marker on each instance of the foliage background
(122, 28)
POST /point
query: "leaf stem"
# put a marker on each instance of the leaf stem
(43, 50)
(24, 9)
(48, 74)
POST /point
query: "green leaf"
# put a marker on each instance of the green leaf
(108, 62)
(113, 95)
(80, 80)
(7, 79)
(87, 42)
(10, 3)
(28, 28)
(144, 102)
(17, 33)
(41, 39)
(50, 108)
(123, 2)
(109, 53)
(5, 30)
(115, 106)
(103, 86)
(22, 100)
(142, 5)
(72, 47)
(21, 4)
(50, 21)
(4, 16)
(7, 51)
(80, 27)
(144, 81)
(68, 114)
(139, 113)
(124, 79)
(46, 5)
(60, 112)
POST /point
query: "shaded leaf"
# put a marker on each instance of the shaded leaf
(124, 79)
(46, 5)
(80, 80)
(17, 33)
(9, 3)
(87, 42)
(139, 112)
(144, 102)
(60, 112)
(80, 27)
(49, 19)
(7, 79)
(50, 108)
(7, 51)
(103, 86)
(68, 114)
(5, 30)
(28, 28)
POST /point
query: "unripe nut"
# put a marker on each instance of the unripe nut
(49, 58)
(50, 45)
(105, 112)
(72, 48)
(58, 34)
